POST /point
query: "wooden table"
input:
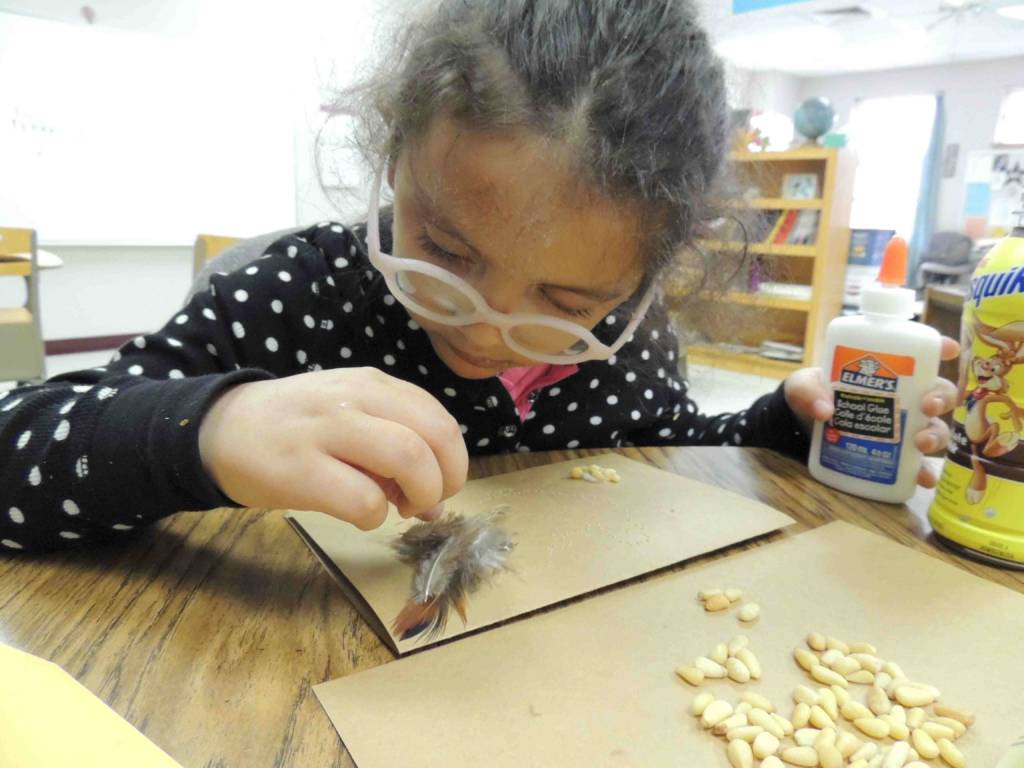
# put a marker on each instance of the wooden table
(208, 631)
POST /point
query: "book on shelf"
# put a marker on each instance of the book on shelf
(805, 229)
(781, 234)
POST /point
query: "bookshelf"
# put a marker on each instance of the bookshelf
(820, 263)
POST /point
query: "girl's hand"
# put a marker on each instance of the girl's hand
(344, 442)
(810, 398)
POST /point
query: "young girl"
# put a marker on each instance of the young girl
(549, 161)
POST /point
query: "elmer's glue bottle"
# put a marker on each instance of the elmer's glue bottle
(979, 503)
(880, 364)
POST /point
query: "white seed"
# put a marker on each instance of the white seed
(787, 726)
(733, 594)
(897, 730)
(719, 654)
(806, 737)
(961, 715)
(839, 645)
(802, 756)
(765, 744)
(871, 663)
(831, 656)
(766, 721)
(878, 701)
(847, 666)
(817, 642)
(829, 757)
(576, 473)
(744, 707)
(709, 668)
(883, 679)
(805, 659)
(939, 731)
(863, 648)
(951, 755)
(924, 744)
(842, 694)
(716, 603)
(867, 751)
(854, 710)
(827, 701)
(861, 677)
(827, 737)
(820, 719)
(893, 669)
(746, 732)
(735, 720)
(771, 762)
(958, 728)
(750, 662)
(757, 700)
(803, 694)
(916, 716)
(692, 675)
(740, 755)
(847, 744)
(828, 677)
(890, 689)
(716, 712)
(737, 670)
(911, 696)
(897, 756)
(749, 612)
(873, 727)
(707, 594)
(737, 644)
(801, 715)
(700, 703)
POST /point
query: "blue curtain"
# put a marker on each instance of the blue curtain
(928, 198)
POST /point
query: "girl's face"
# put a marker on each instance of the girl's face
(504, 212)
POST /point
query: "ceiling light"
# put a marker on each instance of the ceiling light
(1015, 12)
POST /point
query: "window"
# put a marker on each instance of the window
(891, 138)
(1010, 126)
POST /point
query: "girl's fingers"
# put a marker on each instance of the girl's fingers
(940, 399)
(926, 477)
(808, 395)
(950, 348)
(933, 438)
(406, 404)
(329, 486)
(388, 450)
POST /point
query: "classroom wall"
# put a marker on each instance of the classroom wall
(973, 92)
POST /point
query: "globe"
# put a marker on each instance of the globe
(814, 118)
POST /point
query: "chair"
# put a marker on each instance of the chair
(946, 261)
(207, 248)
(214, 253)
(22, 353)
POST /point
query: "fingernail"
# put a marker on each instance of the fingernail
(940, 404)
(433, 513)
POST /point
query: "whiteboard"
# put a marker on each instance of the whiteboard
(108, 136)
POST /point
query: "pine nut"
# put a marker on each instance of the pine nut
(716, 712)
(829, 757)
(924, 744)
(749, 612)
(878, 701)
(802, 756)
(847, 744)
(828, 677)
(958, 728)
(805, 737)
(576, 473)
(817, 642)
(854, 710)
(862, 677)
(692, 675)
(820, 719)
(831, 656)
(839, 645)
(893, 669)
(766, 721)
(787, 727)
(827, 701)
(805, 659)
(863, 648)
(707, 594)
(735, 720)
(710, 668)
(827, 738)
(716, 603)
(911, 696)
(867, 751)
(737, 644)
(916, 716)
(765, 744)
(744, 707)
(801, 715)
(740, 754)
(873, 727)
(745, 732)
(750, 662)
(737, 670)
(719, 654)
(897, 756)
(871, 663)
(700, 703)
(951, 755)
(883, 680)
(967, 718)
(805, 695)
(757, 700)
(847, 666)
(939, 730)
(771, 762)
(734, 594)
(842, 694)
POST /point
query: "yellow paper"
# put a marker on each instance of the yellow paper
(49, 720)
(572, 537)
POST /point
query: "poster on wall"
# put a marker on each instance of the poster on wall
(863, 261)
(995, 183)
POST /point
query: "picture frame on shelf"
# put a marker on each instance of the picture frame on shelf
(800, 186)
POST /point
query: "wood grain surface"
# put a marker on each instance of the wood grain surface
(208, 631)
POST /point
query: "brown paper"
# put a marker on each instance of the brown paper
(572, 537)
(592, 684)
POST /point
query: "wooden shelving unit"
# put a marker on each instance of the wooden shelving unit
(766, 316)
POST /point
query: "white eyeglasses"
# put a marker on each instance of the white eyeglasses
(438, 295)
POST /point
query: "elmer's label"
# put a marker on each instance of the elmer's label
(863, 438)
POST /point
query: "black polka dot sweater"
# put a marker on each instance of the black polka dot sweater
(96, 453)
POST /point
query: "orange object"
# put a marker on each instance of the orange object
(894, 263)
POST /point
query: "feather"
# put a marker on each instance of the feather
(451, 558)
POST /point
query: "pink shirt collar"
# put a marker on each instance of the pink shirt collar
(521, 382)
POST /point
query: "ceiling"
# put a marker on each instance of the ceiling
(804, 37)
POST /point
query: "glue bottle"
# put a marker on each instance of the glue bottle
(880, 365)
(979, 503)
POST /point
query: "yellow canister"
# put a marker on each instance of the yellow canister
(979, 503)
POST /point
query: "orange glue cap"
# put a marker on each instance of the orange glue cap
(894, 263)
